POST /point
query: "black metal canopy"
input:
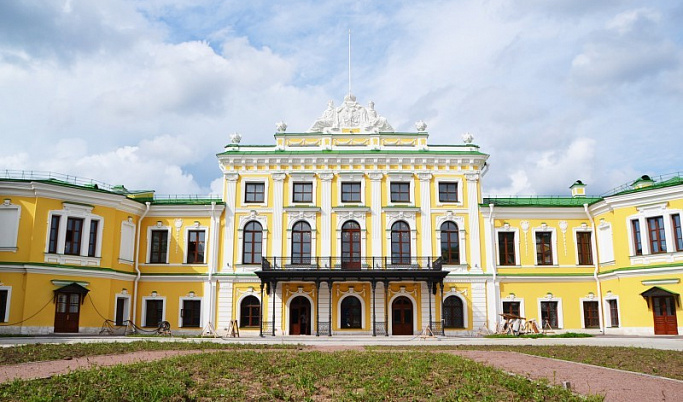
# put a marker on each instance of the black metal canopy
(656, 291)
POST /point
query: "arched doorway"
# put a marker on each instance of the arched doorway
(300, 316)
(351, 245)
(402, 316)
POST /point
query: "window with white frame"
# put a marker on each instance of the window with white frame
(351, 188)
(544, 247)
(9, 225)
(158, 243)
(400, 188)
(255, 191)
(190, 312)
(75, 232)
(121, 309)
(196, 246)
(5, 298)
(591, 315)
(612, 312)
(127, 249)
(507, 247)
(154, 311)
(453, 312)
(512, 308)
(550, 312)
(655, 229)
(584, 248)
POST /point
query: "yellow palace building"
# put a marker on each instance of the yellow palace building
(348, 228)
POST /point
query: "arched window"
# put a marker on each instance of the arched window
(453, 313)
(301, 243)
(350, 244)
(400, 243)
(250, 311)
(351, 313)
(253, 239)
(450, 244)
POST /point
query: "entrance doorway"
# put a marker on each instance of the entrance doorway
(300, 316)
(67, 312)
(664, 311)
(351, 246)
(402, 316)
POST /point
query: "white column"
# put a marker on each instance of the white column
(479, 305)
(230, 198)
(473, 212)
(278, 201)
(376, 211)
(426, 213)
(326, 214)
(224, 305)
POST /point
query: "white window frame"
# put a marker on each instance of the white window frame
(410, 219)
(187, 243)
(465, 308)
(575, 232)
(7, 207)
(243, 220)
(143, 316)
(608, 311)
(644, 213)
(351, 178)
(123, 259)
(238, 314)
(560, 313)
(127, 305)
(9, 301)
(520, 300)
(303, 178)
(181, 299)
(460, 222)
(516, 241)
(362, 311)
(302, 217)
(158, 227)
(261, 180)
(359, 217)
(553, 243)
(401, 178)
(79, 212)
(457, 180)
(583, 315)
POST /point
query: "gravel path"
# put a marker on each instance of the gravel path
(616, 385)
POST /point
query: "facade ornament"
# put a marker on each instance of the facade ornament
(235, 138)
(350, 115)
(525, 228)
(421, 126)
(279, 176)
(281, 126)
(467, 138)
(563, 227)
(326, 176)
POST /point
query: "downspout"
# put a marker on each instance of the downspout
(214, 258)
(492, 263)
(595, 270)
(137, 262)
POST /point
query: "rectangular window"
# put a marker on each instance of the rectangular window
(678, 234)
(549, 315)
(54, 234)
(448, 192)
(74, 233)
(254, 192)
(350, 192)
(584, 248)
(92, 238)
(544, 248)
(613, 313)
(159, 247)
(191, 313)
(591, 319)
(3, 305)
(400, 192)
(195, 246)
(302, 192)
(655, 228)
(506, 248)
(154, 312)
(637, 240)
(121, 310)
(512, 307)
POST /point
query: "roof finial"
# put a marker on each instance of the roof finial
(349, 61)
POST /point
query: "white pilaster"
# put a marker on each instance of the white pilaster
(326, 214)
(230, 198)
(473, 212)
(224, 305)
(278, 200)
(493, 295)
(376, 211)
(426, 213)
(479, 305)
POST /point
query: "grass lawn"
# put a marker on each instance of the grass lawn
(290, 375)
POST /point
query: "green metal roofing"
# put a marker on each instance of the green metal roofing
(539, 201)
(673, 180)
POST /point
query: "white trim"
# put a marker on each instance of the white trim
(608, 311)
(79, 212)
(240, 299)
(575, 232)
(516, 241)
(401, 178)
(553, 244)
(583, 315)
(409, 219)
(181, 299)
(143, 316)
(243, 220)
(311, 319)
(510, 299)
(350, 177)
(300, 216)
(465, 308)
(261, 180)
(13, 232)
(150, 229)
(299, 177)
(9, 300)
(187, 243)
(129, 256)
(126, 305)
(459, 182)
(363, 318)
(390, 313)
(644, 213)
(359, 218)
(560, 314)
(459, 221)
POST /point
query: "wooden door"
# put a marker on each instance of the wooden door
(402, 316)
(664, 311)
(67, 312)
(120, 305)
(351, 246)
(300, 316)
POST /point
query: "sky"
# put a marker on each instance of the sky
(144, 93)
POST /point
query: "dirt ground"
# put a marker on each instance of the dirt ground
(615, 385)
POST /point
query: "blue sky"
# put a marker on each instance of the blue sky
(145, 93)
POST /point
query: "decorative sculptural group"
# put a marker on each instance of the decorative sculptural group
(350, 115)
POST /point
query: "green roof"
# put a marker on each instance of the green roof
(628, 189)
(539, 201)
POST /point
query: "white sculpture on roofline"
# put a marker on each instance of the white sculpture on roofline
(351, 115)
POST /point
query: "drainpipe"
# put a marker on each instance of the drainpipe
(493, 265)
(595, 270)
(137, 262)
(214, 258)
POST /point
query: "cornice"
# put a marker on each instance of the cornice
(156, 211)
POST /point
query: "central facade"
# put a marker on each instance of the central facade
(351, 228)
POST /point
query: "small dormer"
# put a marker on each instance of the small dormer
(642, 182)
(578, 189)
